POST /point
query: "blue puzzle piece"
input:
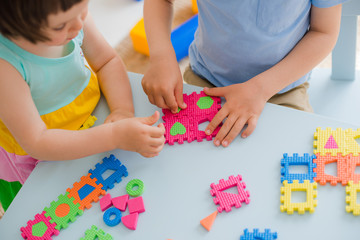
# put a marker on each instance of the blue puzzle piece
(256, 235)
(85, 191)
(107, 215)
(110, 163)
(305, 160)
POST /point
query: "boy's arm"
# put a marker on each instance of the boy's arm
(110, 70)
(163, 81)
(245, 101)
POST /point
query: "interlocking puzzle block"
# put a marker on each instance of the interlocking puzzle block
(227, 200)
(306, 160)
(88, 123)
(138, 38)
(311, 194)
(95, 233)
(209, 220)
(184, 125)
(352, 163)
(39, 229)
(105, 202)
(109, 163)
(194, 6)
(86, 191)
(63, 211)
(351, 198)
(112, 212)
(322, 177)
(120, 202)
(257, 235)
(336, 141)
(130, 221)
(136, 205)
(135, 187)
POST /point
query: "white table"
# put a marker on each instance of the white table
(177, 184)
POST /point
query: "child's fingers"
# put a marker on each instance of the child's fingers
(150, 120)
(219, 117)
(236, 128)
(252, 122)
(170, 101)
(179, 96)
(216, 91)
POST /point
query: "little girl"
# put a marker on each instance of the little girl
(47, 93)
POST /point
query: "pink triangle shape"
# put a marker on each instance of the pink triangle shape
(121, 202)
(331, 144)
(130, 221)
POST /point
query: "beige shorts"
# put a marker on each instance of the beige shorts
(296, 98)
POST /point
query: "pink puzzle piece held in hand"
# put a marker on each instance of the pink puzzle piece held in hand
(184, 125)
(227, 200)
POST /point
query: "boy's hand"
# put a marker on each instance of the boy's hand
(243, 106)
(117, 115)
(2, 212)
(163, 84)
(138, 135)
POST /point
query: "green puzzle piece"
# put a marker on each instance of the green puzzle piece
(177, 128)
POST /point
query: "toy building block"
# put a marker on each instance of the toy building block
(130, 221)
(209, 220)
(135, 187)
(194, 6)
(351, 198)
(182, 37)
(63, 211)
(227, 200)
(256, 234)
(105, 202)
(138, 38)
(39, 229)
(110, 163)
(88, 123)
(120, 202)
(352, 163)
(184, 125)
(136, 205)
(306, 160)
(311, 194)
(110, 212)
(351, 143)
(95, 233)
(322, 178)
(86, 191)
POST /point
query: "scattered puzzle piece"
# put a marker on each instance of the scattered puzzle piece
(311, 194)
(120, 202)
(209, 220)
(306, 160)
(130, 221)
(105, 202)
(135, 187)
(256, 235)
(351, 198)
(110, 212)
(227, 200)
(95, 233)
(136, 205)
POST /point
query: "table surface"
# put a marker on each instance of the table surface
(177, 184)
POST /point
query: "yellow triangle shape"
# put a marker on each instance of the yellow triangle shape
(208, 221)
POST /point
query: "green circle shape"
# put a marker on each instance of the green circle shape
(135, 183)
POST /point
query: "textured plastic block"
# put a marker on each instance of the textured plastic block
(257, 235)
(311, 194)
(86, 191)
(136, 205)
(120, 202)
(130, 221)
(110, 163)
(306, 160)
(351, 198)
(321, 161)
(209, 220)
(107, 217)
(39, 229)
(105, 202)
(184, 125)
(138, 38)
(95, 233)
(135, 187)
(227, 200)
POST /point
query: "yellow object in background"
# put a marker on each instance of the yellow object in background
(194, 6)
(138, 38)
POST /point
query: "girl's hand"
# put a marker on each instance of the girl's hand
(2, 212)
(244, 104)
(138, 135)
(163, 84)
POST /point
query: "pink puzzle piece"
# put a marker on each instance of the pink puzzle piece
(28, 231)
(105, 202)
(331, 143)
(121, 202)
(130, 221)
(227, 200)
(136, 205)
(184, 125)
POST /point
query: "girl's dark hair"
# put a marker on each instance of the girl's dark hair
(27, 18)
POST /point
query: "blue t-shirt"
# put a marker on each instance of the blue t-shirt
(239, 39)
(53, 82)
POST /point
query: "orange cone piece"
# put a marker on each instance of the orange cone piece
(209, 220)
